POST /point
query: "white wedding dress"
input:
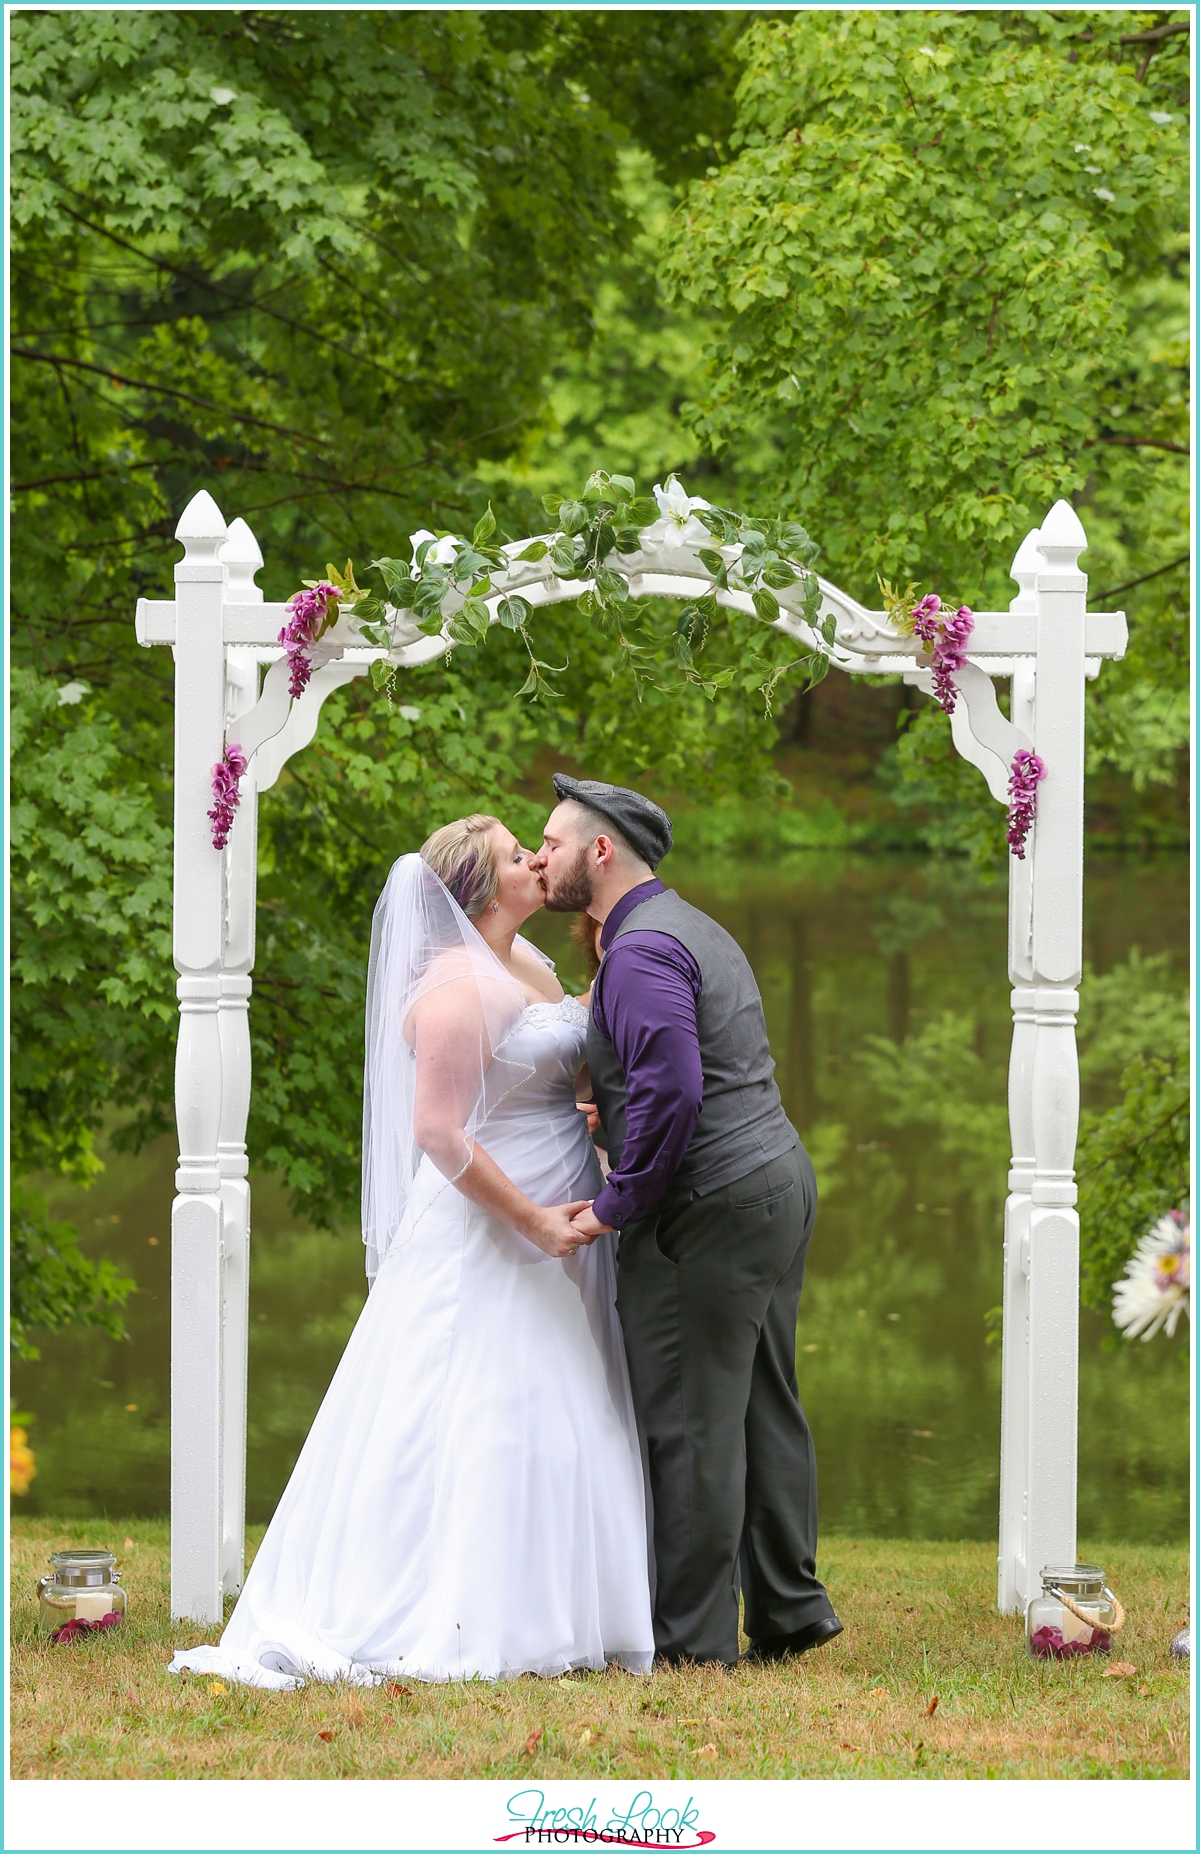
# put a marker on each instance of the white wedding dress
(469, 1501)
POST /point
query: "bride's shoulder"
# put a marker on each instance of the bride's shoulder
(455, 963)
(458, 984)
(536, 972)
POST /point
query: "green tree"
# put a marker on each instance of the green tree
(946, 269)
(1133, 1161)
(52, 1283)
(339, 311)
(947, 266)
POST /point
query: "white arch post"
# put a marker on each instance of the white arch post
(223, 632)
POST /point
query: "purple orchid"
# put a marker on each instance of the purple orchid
(226, 796)
(1026, 774)
(924, 616)
(946, 638)
(300, 633)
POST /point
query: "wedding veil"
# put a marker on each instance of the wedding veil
(432, 981)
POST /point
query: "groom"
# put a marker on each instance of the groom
(713, 1197)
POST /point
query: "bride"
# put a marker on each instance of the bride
(469, 1500)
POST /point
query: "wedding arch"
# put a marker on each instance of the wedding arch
(223, 634)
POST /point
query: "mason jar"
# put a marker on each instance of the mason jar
(83, 1586)
(1054, 1631)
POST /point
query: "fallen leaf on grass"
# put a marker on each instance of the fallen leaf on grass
(707, 1751)
(326, 1735)
(849, 1747)
(1143, 1690)
(590, 1736)
(396, 1691)
(879, 1693)
(1120, 1670)
(531, 1743)
(127, 1545)
(931, 1708)
(217, 1686)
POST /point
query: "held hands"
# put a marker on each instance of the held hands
(587, 1226)
(554, 1231)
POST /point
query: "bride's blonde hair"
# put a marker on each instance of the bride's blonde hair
(463, 856)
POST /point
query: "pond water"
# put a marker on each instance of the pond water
(909, 1137)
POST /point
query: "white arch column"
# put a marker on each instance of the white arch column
(197, 1216)
(1040, 1395)
(241, 558)
(223, 631)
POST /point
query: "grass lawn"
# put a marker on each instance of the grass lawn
(920, 1625)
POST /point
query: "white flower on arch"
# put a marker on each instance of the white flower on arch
(677, 525)
(442, 554)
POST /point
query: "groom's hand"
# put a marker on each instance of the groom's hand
(555, 1232)
(593, 1114)
(588, 1225)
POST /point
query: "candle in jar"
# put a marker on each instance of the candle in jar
(91, 1605)
(1074, 1630)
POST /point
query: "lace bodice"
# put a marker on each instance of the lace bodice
(533, 1076)
(566, 1011)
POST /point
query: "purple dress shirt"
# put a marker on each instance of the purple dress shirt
(648, 1013)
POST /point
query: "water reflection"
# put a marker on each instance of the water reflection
(887, 1002)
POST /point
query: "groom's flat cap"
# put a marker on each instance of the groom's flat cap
(640, 821)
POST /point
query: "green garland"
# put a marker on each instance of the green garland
(596, 533)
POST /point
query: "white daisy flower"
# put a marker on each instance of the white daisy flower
(1157, 1287)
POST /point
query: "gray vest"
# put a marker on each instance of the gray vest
(742, 1123)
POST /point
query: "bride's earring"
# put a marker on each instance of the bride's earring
(495, 907)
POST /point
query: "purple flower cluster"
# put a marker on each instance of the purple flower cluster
(78, 1625)
(302, 629)
(1050, 1644)
(947, 636)
(225, 776)
(1025, 775)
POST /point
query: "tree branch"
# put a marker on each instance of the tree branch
(83, 476)
(1156, 34)
(232, 296)
(1113, 591)
(1154, 444)
(166, 392)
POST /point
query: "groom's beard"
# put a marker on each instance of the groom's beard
(572, 893)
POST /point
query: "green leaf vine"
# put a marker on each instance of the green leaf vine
(443, 589)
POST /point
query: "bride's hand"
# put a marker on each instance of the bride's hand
(552, 1231)
(587, 1225)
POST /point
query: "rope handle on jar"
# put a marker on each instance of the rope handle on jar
(1081, 1615)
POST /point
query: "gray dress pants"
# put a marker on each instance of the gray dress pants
(707, 1290)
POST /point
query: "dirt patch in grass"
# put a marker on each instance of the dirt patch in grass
(920, 1622)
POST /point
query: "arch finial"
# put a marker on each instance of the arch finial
(1028, 562)
(1062, 539)
(242, 557)
(201, 528)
